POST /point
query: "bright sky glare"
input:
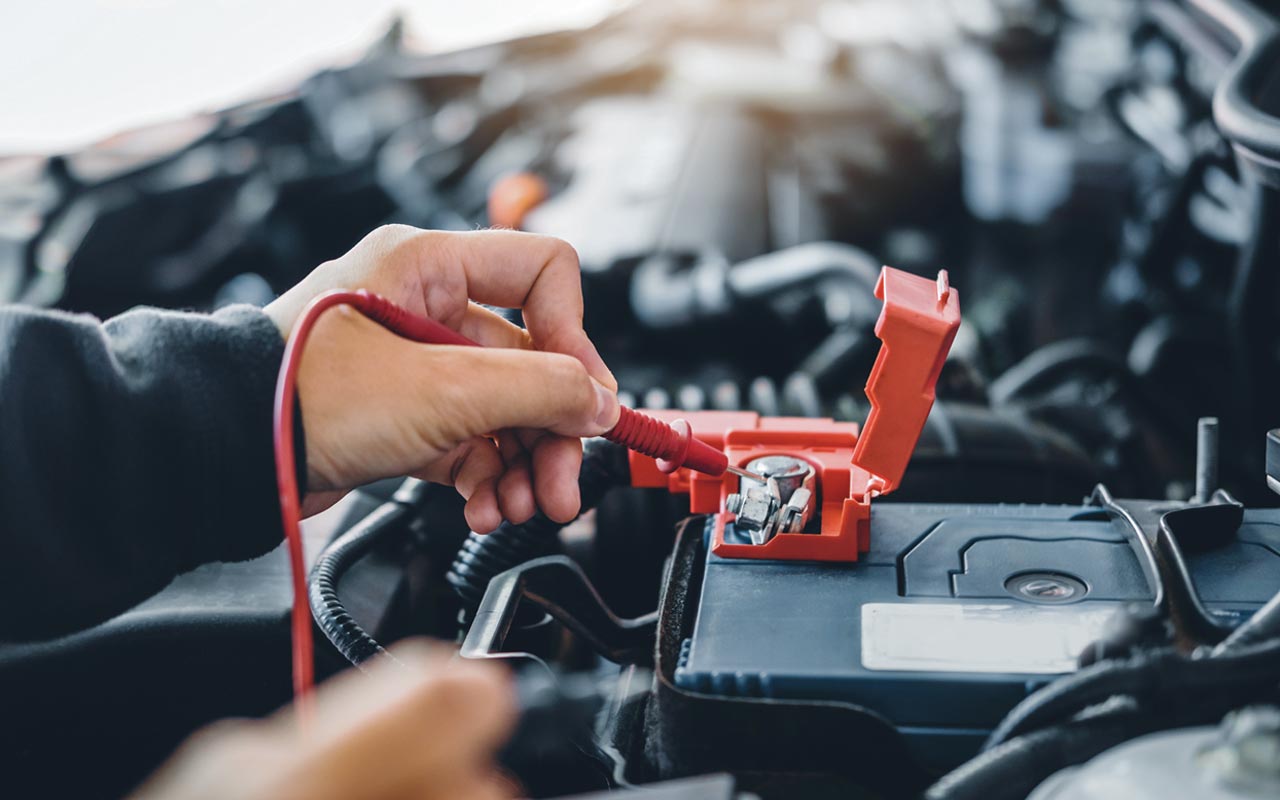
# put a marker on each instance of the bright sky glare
(75, 71)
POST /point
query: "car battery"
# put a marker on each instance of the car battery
(939, 618)
(954, 614)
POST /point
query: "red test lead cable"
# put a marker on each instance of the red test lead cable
(673, 445)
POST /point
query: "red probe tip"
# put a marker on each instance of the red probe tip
(672, 446)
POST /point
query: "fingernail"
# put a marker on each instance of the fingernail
(606, 407)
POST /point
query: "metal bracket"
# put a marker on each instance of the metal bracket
(557, 585)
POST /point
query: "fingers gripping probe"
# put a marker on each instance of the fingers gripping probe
(673, 445)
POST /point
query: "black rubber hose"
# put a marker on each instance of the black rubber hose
(1164, 674)
(604, 466)
(665, 293)
(1016, 767)
(1045, 365)
(327, 609)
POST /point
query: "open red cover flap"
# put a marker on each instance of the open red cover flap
(916, 327)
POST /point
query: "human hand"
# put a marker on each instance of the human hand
(424, 730)
(375, 405)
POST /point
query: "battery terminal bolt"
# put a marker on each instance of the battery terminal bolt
(783, 504)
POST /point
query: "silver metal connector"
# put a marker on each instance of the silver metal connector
(775, 496)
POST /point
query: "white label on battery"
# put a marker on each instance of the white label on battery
(955, 637)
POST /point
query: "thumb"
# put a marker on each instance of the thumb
(485, 390)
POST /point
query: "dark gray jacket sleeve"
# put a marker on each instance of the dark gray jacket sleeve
(130, 451)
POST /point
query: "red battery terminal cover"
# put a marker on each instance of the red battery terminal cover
(916, 328)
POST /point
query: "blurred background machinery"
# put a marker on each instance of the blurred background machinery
(1097, 176)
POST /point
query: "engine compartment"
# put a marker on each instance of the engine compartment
(1097, 178)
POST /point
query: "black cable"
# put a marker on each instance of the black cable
(1013, 769)
(604, 466)
(327, 608)
(1043, 369)
(1043, 366)
(1162, 674)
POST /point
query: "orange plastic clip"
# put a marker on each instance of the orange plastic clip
(916, 328)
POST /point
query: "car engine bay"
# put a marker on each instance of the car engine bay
(1071, 590)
